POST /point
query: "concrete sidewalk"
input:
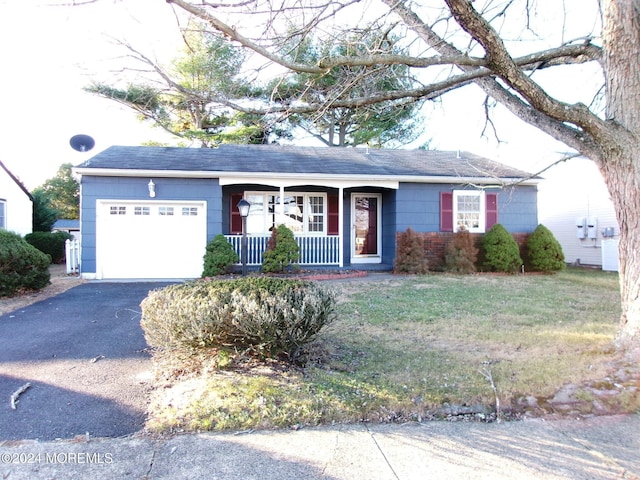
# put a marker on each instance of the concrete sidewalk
(596, 448)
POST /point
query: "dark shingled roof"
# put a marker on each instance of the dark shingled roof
(278, 159)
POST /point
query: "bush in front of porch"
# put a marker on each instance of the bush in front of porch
(219, 257)
(282, 252)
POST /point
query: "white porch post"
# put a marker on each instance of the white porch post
(281, 201)
(341, 226)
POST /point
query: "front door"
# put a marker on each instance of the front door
(366, 229)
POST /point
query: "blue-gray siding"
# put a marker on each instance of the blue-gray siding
(127, 188)
(418, 206)
(413, 205)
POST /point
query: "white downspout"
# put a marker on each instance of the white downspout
(281, 202)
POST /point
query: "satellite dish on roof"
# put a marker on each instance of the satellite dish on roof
(82, 143)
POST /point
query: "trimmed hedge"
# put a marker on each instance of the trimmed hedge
(50, 243)
(22, 266)
(265, 317)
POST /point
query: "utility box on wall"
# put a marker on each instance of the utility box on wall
(592, 228)
(581, 227)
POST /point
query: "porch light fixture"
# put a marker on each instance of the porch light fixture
(152, 189)
(243, 208)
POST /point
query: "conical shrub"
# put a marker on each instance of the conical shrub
(502, 253)
(410, 254)
(461, 253)
(545, 252)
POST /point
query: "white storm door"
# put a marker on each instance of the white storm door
(366, 229)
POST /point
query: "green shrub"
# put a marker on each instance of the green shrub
(22, 266)
(267, 317)
(410, 254)
(219, 257)
(282, 252)
(51, 243)
(461, 253)
(502, 253)
(544, 251)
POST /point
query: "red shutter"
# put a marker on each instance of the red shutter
(446, 211)
(491, 209)
(235, 223)
(333, 215)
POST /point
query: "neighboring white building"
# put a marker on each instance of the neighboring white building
(16, 204)
(575, 205)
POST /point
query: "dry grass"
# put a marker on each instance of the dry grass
(407, 346)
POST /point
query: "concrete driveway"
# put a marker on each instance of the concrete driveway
(84, 354)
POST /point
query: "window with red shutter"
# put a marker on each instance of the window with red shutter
(446, 211)
(491, 214)
(235, 222)
(332, 214)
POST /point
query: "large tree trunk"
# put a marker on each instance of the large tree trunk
(622, 175)
(620, 167)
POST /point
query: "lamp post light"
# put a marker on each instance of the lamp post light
(243, 208)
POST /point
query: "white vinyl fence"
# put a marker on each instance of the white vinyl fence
(72, 255)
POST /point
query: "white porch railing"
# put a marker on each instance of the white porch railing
(72, 256)
(323, 250)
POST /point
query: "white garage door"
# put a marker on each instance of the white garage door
(151, 239)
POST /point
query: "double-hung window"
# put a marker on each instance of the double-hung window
(475, 210)
(302, 213)
(468, 210)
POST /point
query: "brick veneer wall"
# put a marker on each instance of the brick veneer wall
(435, 245)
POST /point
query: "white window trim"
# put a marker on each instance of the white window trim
(483, 210)
(305, 195)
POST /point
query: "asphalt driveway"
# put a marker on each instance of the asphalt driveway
(84, 354)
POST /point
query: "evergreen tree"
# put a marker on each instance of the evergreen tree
(502, 253)
(283, 251)
(410, 254)
(545, 252)
(461, 253)
(61, 194)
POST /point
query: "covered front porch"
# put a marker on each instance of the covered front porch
(336, 224)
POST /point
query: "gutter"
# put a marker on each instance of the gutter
(228, 178)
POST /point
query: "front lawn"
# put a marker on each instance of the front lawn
(412, 348)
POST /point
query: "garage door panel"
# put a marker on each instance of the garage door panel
(151, 240)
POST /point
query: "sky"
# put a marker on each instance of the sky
(49, 53)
